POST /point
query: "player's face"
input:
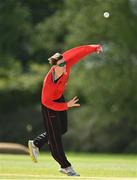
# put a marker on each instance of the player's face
(62, 64)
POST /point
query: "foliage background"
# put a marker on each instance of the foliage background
(31, 31)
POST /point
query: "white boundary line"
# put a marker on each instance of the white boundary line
(66, 177)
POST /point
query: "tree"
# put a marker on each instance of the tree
(42, 9)
(110, 91)
(15, 23)
(106, 84)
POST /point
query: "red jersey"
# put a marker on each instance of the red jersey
(52, 91)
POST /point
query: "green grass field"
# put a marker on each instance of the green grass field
(90, 166)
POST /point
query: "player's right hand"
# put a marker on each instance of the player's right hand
(73, 102)
(99, 49)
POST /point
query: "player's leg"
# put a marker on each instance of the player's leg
(40, 140)
(63, 121)
(55, 142)
(64, 126)
(53, 127)
(63, 117)
(36, 144)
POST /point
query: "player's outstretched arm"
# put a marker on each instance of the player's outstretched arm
(74, 55)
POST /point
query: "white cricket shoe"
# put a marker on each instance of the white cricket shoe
(33, 151)
(69, 171)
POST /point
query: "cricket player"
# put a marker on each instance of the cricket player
(54, 106)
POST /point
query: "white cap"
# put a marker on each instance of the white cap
(55, 56)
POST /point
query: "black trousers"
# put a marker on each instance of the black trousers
(56, 125)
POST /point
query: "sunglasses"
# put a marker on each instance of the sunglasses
(62, 64)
